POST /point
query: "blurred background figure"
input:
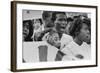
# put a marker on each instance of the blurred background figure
(27, 30)
(46, 16)
(47, 26)
(69, 23)
(37, 25)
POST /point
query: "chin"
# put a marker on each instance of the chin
(88, 42)
(62, 30)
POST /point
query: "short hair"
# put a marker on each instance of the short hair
(39, 20)
(54, 15)
(46, 14)
(77, 25)
(75, 17)
(69, 19)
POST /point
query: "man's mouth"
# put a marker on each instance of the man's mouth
(25, 33)
(62, 28)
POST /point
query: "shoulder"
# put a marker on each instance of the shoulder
(65, 40)
(67, 36)
(71, 46)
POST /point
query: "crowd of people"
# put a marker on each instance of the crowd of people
(68, 34)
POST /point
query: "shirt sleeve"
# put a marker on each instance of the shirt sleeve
(66, 50)
(68, 54)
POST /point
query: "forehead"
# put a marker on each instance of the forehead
(61, 15)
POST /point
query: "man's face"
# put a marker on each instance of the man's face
(85, 33)
(48, 19)
(60, 22)
(25, 30)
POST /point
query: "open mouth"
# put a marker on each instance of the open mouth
(25, 33)
(62, 28)
(88, 37)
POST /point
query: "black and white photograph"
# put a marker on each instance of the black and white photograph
(56, 36)
(53, 36)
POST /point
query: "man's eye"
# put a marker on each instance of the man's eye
(60, 19)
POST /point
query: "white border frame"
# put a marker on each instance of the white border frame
(21, 65)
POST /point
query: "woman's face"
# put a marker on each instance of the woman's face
(84, 33)
(37, 24)
(25, 30)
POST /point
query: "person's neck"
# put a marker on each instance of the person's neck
(35, 28)
(60, 34)
(78, 41)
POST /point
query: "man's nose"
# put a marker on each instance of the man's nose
(25, 29)
(63, 24)
(88, 31)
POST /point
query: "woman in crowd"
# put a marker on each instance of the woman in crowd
(37, 25)
(80, 30)
(27, 30)
(46, 27)
(69, 23)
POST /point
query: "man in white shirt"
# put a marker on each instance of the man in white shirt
(60, 21)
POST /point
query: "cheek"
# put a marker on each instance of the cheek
(36, 26)
(84, 36)
(25, 33)
(56, 38)
(58, 26)
(57, 22)
(28, 31)
(48, 19)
